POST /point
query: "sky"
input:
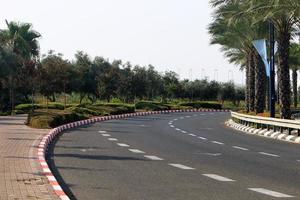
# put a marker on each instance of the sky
(169, 34)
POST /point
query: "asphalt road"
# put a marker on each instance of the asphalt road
(182, 156)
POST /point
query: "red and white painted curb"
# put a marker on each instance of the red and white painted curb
(46, 140)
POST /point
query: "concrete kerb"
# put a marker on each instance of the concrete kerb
(264, 132)
(48, 138)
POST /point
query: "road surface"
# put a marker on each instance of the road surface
(180, 156)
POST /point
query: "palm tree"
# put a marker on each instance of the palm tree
(295, 65)
(235, 37)
(284, 14)
(21, 40)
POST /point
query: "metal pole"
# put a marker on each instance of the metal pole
(272, 98)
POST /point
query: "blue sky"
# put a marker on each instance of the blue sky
(169, 34)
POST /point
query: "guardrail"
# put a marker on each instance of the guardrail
(267, 122)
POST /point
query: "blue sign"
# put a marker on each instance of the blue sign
(261, 47)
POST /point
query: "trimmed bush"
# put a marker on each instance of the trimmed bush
(202, 105)
(52, 118)
(150, 105)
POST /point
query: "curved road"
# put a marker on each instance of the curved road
(182, 156)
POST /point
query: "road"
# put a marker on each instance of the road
(181, 156)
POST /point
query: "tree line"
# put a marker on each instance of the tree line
(237, 23)
(24, 74)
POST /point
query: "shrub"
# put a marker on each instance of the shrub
(150, 105)
(202, 105)
(52, 118)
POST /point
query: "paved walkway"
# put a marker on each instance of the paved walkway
(20, 173)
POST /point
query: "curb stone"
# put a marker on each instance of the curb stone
(264, 132)
(48, 138)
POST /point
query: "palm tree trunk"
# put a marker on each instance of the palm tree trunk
(284, 36)
(260, 85)
(251, 82)
(295, 89)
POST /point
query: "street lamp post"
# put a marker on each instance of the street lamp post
(272, 97)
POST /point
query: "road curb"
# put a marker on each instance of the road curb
(48, 138)
(263, 132)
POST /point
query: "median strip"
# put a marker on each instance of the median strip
(270, 193)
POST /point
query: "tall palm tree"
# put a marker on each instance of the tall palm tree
(295, 65)
(235, 37)
(284, 14)
(21, 40)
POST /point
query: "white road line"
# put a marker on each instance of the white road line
(218, 178)
(181, 166)
(112, 139)
(240, 148)
(153, 157)
(177, 129)
(170, 123)
(298, 160)
(192, 135)
(188, 116)
(123, 145)
(270, 193)
(136, 151)
(216, 142)
(106, 135)
(175, 119)
(268, 154)
(102, 132)
(183, 131)
(172, 126)
(202, 138)
(202, 114)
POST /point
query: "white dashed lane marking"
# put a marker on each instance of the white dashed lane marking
(270, 193)
(175, 119)
(202, 138)
(268, 154)
(112, 139)
(177, 129)
(240, 148)
(153, 157)
(172, 126)
(106, 135)
(218, 178)
(136, 151)
(102, 132)
(192, 135)
(180, 166)
(216, 142)
(123, 145)
(183, 131)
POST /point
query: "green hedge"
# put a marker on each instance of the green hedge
(52, 118)
(26, 108)
(202, 105)
(152, 106)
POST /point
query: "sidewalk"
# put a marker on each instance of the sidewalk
(20, 173)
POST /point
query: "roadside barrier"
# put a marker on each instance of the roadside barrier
(279, 129)
(48, 138)
(267, 122)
